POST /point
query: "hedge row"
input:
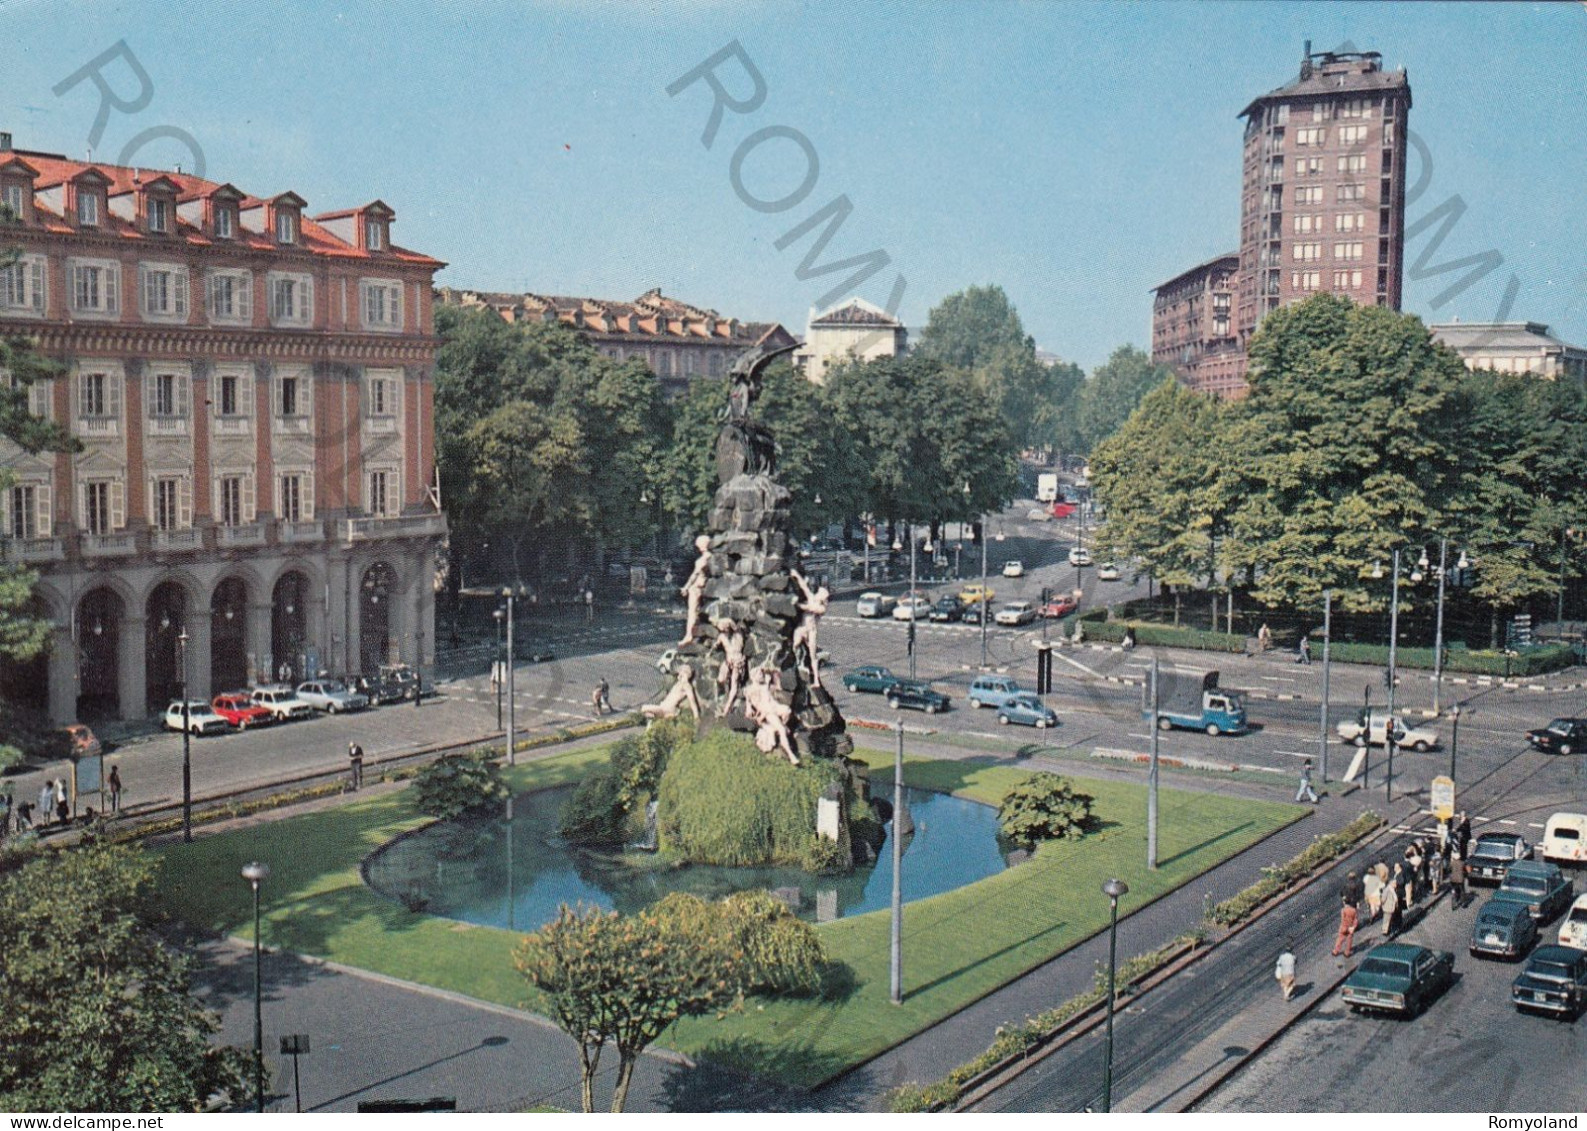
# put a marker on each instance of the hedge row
(1547, 658)
(1016, 1040)
(1112, 632)
(1281, 876)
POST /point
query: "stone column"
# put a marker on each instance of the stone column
(200, 639)
(131, 685)
(261, 663)
(63, 676)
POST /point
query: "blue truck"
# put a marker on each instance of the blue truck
(1194, 701)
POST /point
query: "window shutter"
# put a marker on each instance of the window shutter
(113, 288)
(180, 279)
(245, 395)
(184, 503)
(306, 492)
(36, 269)
(83, 382)
(43, 492)
(396, 306)
(7, 504)
(145, 292)
(41, 399)
(306, 315)
(184, 394)
(113, 395)
(249, 502)
(242, 296)
(118, 504)
(211, 290)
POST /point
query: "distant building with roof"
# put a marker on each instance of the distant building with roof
(1513, 347)
(676, 340)
(1193, 327)
(853, 331)
(253, 390)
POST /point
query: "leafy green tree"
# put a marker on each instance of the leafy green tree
(1114, 389)
(623, 979)
(687, 478)
(970, 327)
(456, 784)
(1044, 807)
(525, 467)
(96, 1010)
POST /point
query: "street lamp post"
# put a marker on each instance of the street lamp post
(1388, 719)
(1322, 734)
(896, 951)
(187, 742)
(512, 699)
(418, 669)
(495, 666)
(1113, 889)
(255, 873)
(1454, 738)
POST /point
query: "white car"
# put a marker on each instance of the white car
(874, 604)
(912, 607)
(331, 696)
(282, 702)
(201, 718)
(1573, 927)
(1038, 514)
(1079, 556)
(1015, 568)
(1107, 571)
(1420, 739)
(1016, 613)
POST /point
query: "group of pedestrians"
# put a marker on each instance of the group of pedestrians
(1387, 890)
(53, 805)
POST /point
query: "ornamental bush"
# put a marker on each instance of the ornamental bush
(777, 952)
(593, 816)
(1044, 807)
(457, 784)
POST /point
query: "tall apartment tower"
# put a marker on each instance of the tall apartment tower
(1322, 204)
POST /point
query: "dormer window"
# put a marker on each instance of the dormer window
(87, 209)
(159, 215)
(225, 223)
(374, 234)
(11, 197)
(286, 226)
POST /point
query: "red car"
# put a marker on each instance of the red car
(239, 710)
(1059, 607)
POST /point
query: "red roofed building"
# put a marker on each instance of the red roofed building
(252, 386)
(677, 341)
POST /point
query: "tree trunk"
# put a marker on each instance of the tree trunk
(1493, 628)
(625, 1072)
(1176, 606)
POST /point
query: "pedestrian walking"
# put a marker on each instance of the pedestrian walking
(1404, 885)
(24, 816)
(1416, 865)
(1463, 834)
(1284, 972)
(1391, 909)
(1264, 638)
(115, 790)
(1372, 888)
(601, 698)
(63, 807)
(355, 764)
(1457, 880)
(1354, 892)
(589, 604)
(1306, 792)
(1437, 871)
(46, 801)
(1349, 920)
(1303, 650)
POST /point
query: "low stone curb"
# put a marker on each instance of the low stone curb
(1179, 761)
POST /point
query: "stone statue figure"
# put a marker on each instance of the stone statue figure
(811, 610)
(694, 589)
(682, 694)
(735, 664)
(769, 714)
(745, 446)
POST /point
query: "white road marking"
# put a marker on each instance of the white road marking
(1078, 664)
(1295, 754)
(1278, 678)
(1132, 734)
(1506, 821)
(1533, 825)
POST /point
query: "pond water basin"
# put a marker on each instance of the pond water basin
(516, 875)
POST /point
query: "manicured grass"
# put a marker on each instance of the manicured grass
(958, 946)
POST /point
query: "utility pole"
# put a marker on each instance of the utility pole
(1322, 733)
(512, 699)
(1151, 777)
(896, 962)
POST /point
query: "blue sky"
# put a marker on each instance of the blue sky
(1078, 154)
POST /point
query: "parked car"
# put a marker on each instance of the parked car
(394, 683)
(239, 710)
(1565, 838)
(331, 696)
(976, 595)
(1573, 930)
(664, 661)
(1398, 978)
(1016, 613)
(975, 614)
(1014, 568)
(875, 604)
(946, 608)
(1028, 711)
(917, 696)
(1107, 571)
(1492, 854)
(1079, 556)
(1503, 929)
(1554, 981)
(1059, 607)
(1374, 724)
(1539, 886)
(200, 718)
(911, 606)
(282, 702)
(1038, 514)
(993, 690)
(1562, 736)
(870, 678)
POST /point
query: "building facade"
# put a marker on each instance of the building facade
(252, 388)
(1513, 347)
(1322, 200)
(1193, 327)
(854, 331)
(675, 340)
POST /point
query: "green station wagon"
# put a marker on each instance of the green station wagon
(1554, 981)
(1541, 887)
(870, 678)
(1398, 978)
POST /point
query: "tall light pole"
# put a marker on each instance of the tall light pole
(1454, 738)
(187, 742)
(896, 952)
(1113, 889)
(1322, 732)
(1394, 636)
(512, 699)
(255, 873)
(495, 664)
(912, 609)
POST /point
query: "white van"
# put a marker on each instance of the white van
(1565, 838)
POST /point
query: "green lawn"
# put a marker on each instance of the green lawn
(958, 946)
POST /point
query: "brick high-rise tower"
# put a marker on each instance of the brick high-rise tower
(1322, 204)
